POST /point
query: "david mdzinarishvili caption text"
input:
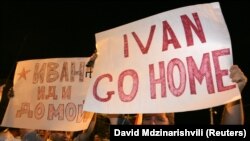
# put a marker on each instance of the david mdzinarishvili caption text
(156, 131)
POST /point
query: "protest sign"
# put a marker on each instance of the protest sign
(49, 94)
(174, 61)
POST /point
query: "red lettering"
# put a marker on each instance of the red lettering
(188, 25)
(41, 93)
(39, 111)
(66, 93)
(65, 72)
(220, 73)
(109, 93)
(145, 49)
(80, 113)
(25, 109)
(125, 40)
(169, 36)
(52, 74)
(154, 81)
(39, 75)
(70, 111)
(167, 30)
(59, 112)
(128, 97)
(80, 72)
(174, 77)
(176, 91)
(52, 93)
(204, 71)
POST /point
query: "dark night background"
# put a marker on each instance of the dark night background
(51, 29)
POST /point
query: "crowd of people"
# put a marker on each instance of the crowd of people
(98, 130)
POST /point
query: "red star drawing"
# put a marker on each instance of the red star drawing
(23, 74)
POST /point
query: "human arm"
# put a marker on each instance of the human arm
(85, 135)
(233, 113)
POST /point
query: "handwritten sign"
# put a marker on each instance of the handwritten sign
(49, 94)
(174, 61)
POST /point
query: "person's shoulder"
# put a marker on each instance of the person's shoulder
(5, 135)
(32, 136)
